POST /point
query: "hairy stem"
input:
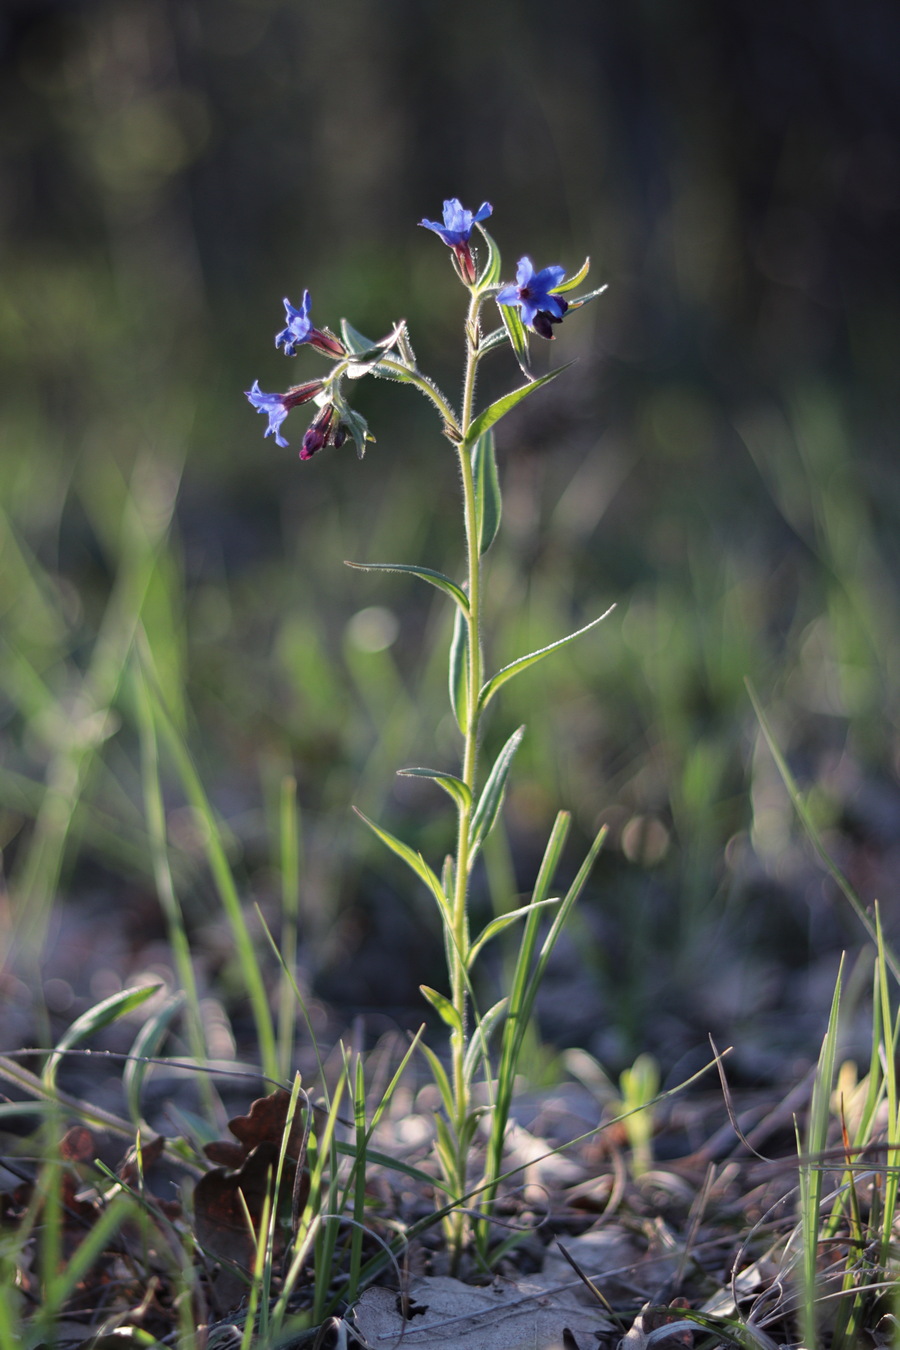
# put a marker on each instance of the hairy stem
(470, 751)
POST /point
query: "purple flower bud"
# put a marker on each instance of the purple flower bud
(303, 393)
(319, 432)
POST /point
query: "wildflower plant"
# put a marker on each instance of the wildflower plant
(533, 305)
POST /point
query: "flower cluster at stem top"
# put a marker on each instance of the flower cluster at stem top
(535, 295)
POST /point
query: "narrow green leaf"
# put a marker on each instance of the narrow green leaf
(488, 504)
(494, 411)
(455, 787)
(405, 348)
(562, 914)
(518, 337)
(439, 1073)
(571, 282)
(444, 1007)
(448, 875)
(503, 921)
(585, 299)
(428, 574)
(490, 273)
(147, 1043)
(459, 671)
(478, 1046)
(496, 338)
(493, 684)
(491, 798)
(413, 860)
(101, 1015)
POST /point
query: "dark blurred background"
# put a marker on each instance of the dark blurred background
(720, 461)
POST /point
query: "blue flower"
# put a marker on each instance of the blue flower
(455, 232)
(272, 404)
(458, 223)
(300, 329)
(277, 406)
(532, 293)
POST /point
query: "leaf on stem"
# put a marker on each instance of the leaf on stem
(518, 337)
(493, 684)
(413, 860)
(455, 787)
(459, 671)
(575, 280)
(490, 273)
(444, 1007)
(478, 1045)
(428, 574)
(442, 1082)
(493, 339)
(501, 406)
(584, 299)
(503, 921)
(491, 798)
(488, 503)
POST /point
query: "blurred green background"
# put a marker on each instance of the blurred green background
(720, 462)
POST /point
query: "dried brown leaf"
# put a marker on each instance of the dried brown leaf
(77, 1145)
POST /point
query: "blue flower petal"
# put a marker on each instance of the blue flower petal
(299, 326)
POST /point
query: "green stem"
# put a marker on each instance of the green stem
(430, 390)
(470, 752)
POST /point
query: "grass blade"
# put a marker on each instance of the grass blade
(813, 834)
(95, 1019)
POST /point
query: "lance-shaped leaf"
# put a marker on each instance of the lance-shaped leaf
(444, 1007)
(413, 860)
(488, 504)
(490, 273)
(478, 1045)
(428, 574)
(442, 1081)
(455, 787)
(575, 280)
(491, 798)
(494, 339)
(489, 690)
(108, 1010)
(459, 671)
(518, 337)
(503, 921)
(583, 299)
(494, 411)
